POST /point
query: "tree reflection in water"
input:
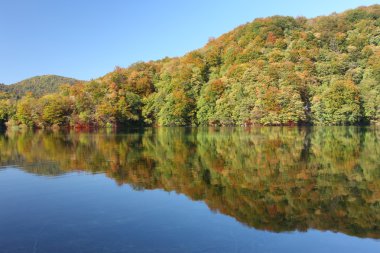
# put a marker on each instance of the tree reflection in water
(269, 178)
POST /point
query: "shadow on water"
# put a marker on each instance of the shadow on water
(270, 178)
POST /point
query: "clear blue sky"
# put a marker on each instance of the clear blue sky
(86, 39)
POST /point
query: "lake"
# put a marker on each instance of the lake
(264, 189)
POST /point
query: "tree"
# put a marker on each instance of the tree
(56, 109)
(7, 110)
(27, 112)
(337, 104)
(271, 71)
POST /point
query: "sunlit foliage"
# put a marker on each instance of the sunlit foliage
(272, 71)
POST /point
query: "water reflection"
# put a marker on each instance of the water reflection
(275, 179)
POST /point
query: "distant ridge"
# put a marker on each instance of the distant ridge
(38, 85)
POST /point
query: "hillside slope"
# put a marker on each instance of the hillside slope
(271, 71)
(38, 85)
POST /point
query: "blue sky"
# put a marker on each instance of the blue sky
(87, 39)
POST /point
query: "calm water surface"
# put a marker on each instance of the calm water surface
(191, 190)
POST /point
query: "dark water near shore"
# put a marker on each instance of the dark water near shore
(191, 190)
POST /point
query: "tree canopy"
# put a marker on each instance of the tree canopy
(271, 71)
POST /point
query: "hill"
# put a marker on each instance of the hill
(272, 71)
(38, 85)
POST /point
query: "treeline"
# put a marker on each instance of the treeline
(272, 71)
(269, 178)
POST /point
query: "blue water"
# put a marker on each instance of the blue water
(80, 212)
(279, 190)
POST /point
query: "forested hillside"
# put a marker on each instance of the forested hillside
(272, 71)
(39, 85)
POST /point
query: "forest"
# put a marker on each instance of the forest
(272, 71)
(38, 85)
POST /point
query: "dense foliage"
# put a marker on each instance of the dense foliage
(272, 71)
(270, 178)
(38, 85)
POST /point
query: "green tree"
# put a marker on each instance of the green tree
(56, 109)
(337, 104)
(7, 110)
(27, 112)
